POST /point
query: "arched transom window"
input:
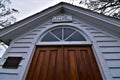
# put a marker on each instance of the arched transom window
(63, 34)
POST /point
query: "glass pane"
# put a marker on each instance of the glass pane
(49, 37)
(76, 37)
(58, 32)
(67, 32)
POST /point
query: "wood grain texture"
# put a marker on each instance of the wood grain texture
(33, 63)
(63, 63)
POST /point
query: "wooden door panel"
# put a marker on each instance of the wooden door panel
(33, 63)
(94, 66)
(38, 65)
(82, 71)
(51, 68)
(73, 65)
(87, 65)
(66, 65)
(63, 63)
(59, 72)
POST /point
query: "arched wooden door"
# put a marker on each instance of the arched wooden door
(63, 63)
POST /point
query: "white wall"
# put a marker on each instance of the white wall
(105, 46)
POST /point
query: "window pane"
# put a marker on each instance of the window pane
(49, 37)
(58, 32)
(67, 32)
(76, 37)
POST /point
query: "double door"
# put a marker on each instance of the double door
(63, 63)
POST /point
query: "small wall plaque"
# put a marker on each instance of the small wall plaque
(62, 18)
(12, 62)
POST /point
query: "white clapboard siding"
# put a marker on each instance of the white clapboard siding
(8, 76)
(41, 27)
(9, 71)
(90, 29)
(99, 34)
(36, 31)
(105, 39)
(25, 40)
(15, 49)
(110, 48)
(84, 25)
(116, 78)
(113, 63)
(21, 47)
(115, 72)
(15, 55)
(95, 32)
(30, 35)
(112, 56)
(109, 44)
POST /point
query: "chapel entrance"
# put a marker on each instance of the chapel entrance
(63, 63)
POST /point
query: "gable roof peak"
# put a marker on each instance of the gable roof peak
(20, 27)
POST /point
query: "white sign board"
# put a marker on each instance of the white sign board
(62, 18)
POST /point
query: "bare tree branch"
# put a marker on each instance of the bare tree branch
(107, 7)
(6, 13)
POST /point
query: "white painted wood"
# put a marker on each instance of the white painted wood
(30, 36)
(99, 34)
(112, 56)
(19, 49)
(103, 44)
(23, 55)
(105, 39)
(114, 63)
(91, 29)
(116, 78)
(64, 43)
(115, 72)
(9, 71)
(6, 76)
(25, 40)
(110, 49)
(21, 45)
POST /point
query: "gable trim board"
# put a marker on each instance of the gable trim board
(29, 31)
